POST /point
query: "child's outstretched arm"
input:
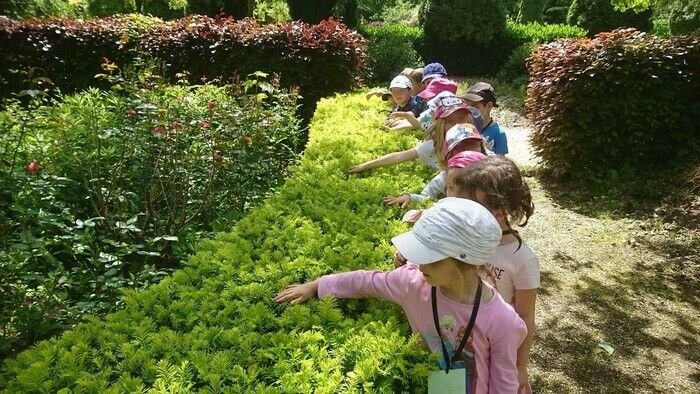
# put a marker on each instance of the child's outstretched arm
(386, 160)
(397, 125)
(389, 286)
(298, 293)
(432, 190)
(408, 116)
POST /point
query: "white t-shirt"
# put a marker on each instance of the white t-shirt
(514, 270)
(426, 155)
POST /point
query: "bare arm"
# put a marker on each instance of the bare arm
(386, 160)
(407, 117)
(397, 125)
(525, 306)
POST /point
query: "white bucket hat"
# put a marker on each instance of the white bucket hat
(454, 227)
(401, 81)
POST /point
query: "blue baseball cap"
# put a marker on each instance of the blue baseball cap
(433, 70)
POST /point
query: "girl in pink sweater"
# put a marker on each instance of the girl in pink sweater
(441, 291)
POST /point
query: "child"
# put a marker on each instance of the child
(414, 74)
(408, 120)
(416, 77)
(482, 96)
(447, 248)
(401, 93)
(449, 111)
(463, 146)
(497, 183)
(432, 71)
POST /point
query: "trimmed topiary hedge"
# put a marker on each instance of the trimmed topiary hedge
(467, 36)
(213, 326)
(391, 48)
(540, 33)
(320, 59)
(314, 11)
(472, 58)
(600, 15)
(531, 35)
(620, 103)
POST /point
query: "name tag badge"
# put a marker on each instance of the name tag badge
(454, 382)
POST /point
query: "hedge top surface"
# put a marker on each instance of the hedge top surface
(214, 327)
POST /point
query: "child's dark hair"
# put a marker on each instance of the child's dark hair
(502, 183)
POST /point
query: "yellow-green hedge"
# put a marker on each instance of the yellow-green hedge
(213, 326)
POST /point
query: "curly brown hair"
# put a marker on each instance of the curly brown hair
(503, 186)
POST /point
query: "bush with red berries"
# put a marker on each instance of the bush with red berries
(103, 190)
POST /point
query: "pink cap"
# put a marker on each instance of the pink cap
(463, 159)
(436, 86)
(460, 132)
(448, 105)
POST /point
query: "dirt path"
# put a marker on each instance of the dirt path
(518, 130)
(626, 283)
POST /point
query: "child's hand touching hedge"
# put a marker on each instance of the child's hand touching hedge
(298, 293)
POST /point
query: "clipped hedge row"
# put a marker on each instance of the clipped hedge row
(619, 103)
(213, 325)
(600, 15)
(539, 32)
(469, 57)
(529, 35)
(321, 59)
(391, 48)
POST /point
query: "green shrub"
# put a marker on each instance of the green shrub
(685, 17)
(515, 67)
(541, 33)
(271, 11)
(388, 11)
(618, 104)
(555, 11)
(124, 185)
(530, 11)
(530, 35)
(111, 7)
(21, 9)
(466, 36)
(391, 48)
(214, 326)
(314, 11)
(599, 15)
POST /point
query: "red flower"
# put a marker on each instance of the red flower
(213, 104)
(218, 157)
(33, 167)
(247, 139)
(158, 130)
(132, 113)
(204, 124)
(176, 125)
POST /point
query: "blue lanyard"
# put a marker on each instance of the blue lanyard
(470, 326)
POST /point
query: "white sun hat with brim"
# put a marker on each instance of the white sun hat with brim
(401, 81)
(453, 227)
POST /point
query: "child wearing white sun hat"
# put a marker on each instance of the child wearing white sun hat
(460, 317)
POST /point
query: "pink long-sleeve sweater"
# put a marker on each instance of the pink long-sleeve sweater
(497, 334)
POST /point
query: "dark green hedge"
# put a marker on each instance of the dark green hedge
(468, 57)
(391, 48)
(600, 15)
